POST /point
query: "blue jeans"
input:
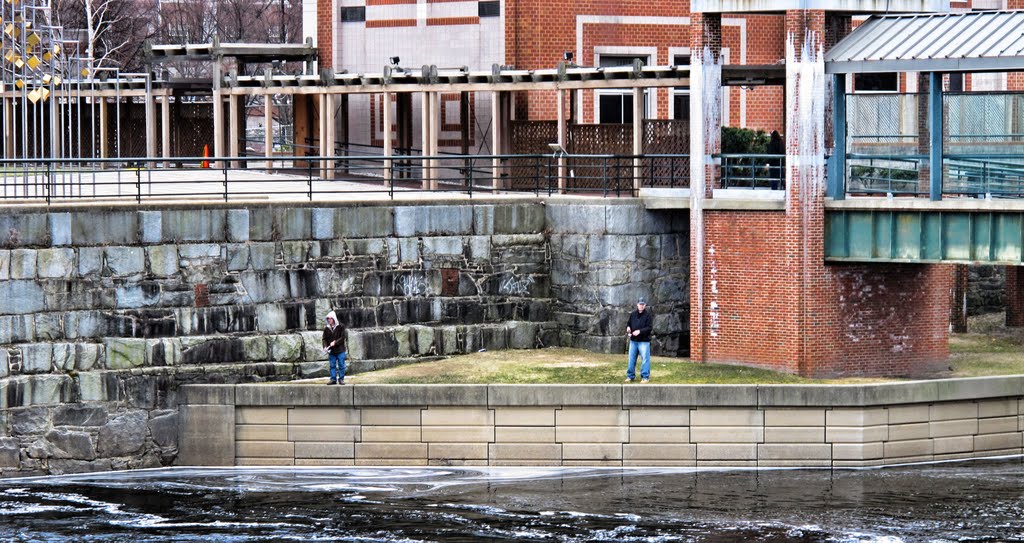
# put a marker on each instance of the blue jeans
(337, 364)
(644, 349)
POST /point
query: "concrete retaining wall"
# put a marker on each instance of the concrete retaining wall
(606, 425)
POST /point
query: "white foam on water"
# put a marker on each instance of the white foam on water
(10, 509)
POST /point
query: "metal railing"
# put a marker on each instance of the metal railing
(984, 175)
(318, 177)
(753, 171)
(885, 174)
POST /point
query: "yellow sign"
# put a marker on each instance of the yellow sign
(33, 39)
(34, 62)
(34, 96)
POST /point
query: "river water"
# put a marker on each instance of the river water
(962, 501)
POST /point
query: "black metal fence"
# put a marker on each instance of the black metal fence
(317, 177)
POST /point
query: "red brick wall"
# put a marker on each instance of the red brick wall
(1014, 296)
(828, 320)
(325, 33)
(536, 36)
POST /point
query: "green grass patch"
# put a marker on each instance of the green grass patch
(561, 366)
(989, 349)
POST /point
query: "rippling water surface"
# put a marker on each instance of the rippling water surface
(977, 501)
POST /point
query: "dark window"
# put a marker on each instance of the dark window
(681, 60)
(353, 15)
(489, 9)
(956, 82)
(681, 107)
(889, 82)
(616, 108)
(611, 61)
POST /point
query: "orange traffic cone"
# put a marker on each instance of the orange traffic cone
(206, 154)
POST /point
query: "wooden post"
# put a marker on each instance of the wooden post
(165, 128)
(233, 122)
(388, 143)
(496, 141)
(435, 134)
(9, 137)
(150, 103)
(638, 137)
(322, 151)
(104, 146)
(425, 136)
(562, 141)
(268, 129)
(218, 114)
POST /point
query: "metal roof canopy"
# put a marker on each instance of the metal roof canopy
(984, 41)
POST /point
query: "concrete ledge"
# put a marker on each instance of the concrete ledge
(725, 395)
(419, 395)
(659, 395)
(297, 395)
(534, 395)
(979, 388)
(206, 435)
(207, 394)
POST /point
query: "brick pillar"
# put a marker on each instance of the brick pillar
(325, 33)
(1014, 296)
(705, 140)
(958, 302)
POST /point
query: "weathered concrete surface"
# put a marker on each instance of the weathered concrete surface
(746, 425)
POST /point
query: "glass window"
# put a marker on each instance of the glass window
(883, 82)
(490, 8)
(615, 108)
(681, 105)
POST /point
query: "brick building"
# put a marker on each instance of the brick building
(362, 36)
(761, 292)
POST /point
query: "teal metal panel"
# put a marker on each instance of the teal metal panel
(981, 236)
(925, 236)
(907, 237)
(956, 236)
(931, 237)
(1007, 238)
(835, 234)
(882, 235)
(860, 235)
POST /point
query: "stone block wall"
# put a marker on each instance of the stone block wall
(608, 425)
(603, 257)
(114, 308)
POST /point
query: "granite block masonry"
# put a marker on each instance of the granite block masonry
(115, 308)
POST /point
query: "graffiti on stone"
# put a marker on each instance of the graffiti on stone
(515, 286)
(408, 285)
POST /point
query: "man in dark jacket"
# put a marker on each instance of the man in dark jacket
(641, 322)
(334, 346)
